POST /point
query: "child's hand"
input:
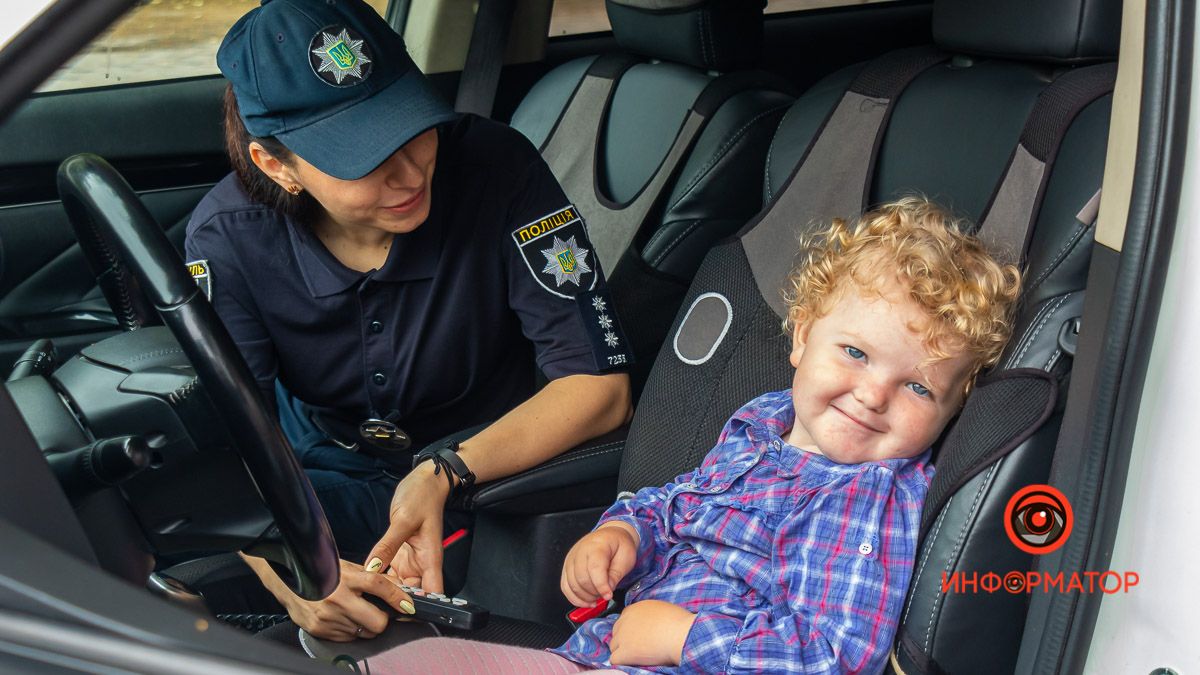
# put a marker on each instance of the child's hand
(650, 633)
(597, 562)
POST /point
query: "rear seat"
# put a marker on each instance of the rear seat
(610, 164)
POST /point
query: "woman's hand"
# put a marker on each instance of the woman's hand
(412, 545)
(650, 633)
(340, 616)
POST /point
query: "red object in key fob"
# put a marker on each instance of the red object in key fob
(581, 614)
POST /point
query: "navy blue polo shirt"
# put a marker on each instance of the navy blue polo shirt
(499, 278)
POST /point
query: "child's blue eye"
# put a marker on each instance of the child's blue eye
(918, 389)
(855, 352)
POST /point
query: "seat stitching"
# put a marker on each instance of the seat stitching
(182, 393)
(707, 37)
(937, 527)
(153, 354)
(659, 258)
(957, 546)
(1053, 358)
(659, 235)
(1041, 325)
(1062, 253)
(720, 154)
(1026, 335)
(771, 151)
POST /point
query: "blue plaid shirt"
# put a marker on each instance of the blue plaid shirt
(791, 562)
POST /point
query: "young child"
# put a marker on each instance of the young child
(791, 547)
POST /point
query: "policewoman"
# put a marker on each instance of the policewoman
(402, 272)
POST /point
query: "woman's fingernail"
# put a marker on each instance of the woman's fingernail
(407, 607)
(374, 564)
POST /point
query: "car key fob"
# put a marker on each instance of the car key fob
(437, 609)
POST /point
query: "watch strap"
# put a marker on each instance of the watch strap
(446, 457)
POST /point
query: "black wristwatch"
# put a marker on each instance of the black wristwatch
(445, 457)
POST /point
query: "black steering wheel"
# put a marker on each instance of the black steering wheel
(114, 226)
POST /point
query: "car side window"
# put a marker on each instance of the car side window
(157, 40)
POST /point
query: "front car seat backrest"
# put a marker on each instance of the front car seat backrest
(653, 218)
(950, 134)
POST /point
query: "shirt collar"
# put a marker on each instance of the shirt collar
(322, 273)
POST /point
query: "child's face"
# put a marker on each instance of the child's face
(865, 388)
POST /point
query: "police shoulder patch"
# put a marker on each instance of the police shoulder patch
(557, 252)
(203, 276)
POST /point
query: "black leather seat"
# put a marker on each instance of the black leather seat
(680, 47)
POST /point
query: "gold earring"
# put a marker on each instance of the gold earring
(294, 190)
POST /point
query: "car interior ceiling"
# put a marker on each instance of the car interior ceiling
(954, 129)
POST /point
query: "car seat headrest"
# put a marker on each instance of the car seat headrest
(709, 34)
(1063, 31)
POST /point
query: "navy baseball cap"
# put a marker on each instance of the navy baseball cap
(331, 80)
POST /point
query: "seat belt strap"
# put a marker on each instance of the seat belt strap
(612, 226)
(833, 177)
(1008, 219)
(485, 57)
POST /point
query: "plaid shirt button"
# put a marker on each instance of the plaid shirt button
(865, 548)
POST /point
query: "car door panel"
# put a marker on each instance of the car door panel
(164, 137)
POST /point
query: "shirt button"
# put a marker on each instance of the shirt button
(865, 548)
(376, 327)
(379, 378)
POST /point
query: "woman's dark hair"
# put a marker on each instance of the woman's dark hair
(256, 183)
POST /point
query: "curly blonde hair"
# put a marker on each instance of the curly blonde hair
(968, 297)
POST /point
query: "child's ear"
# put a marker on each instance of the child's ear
(799, 340)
